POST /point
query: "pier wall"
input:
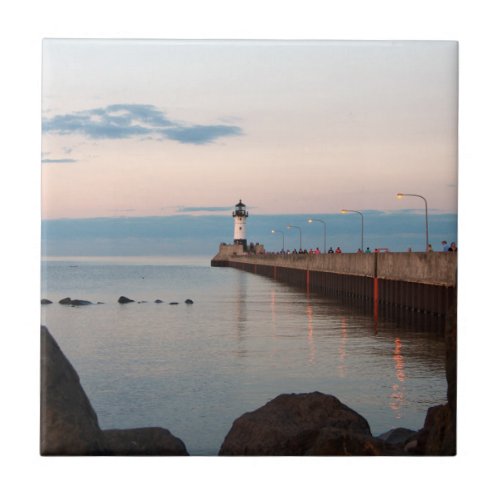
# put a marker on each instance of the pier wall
(394, 284)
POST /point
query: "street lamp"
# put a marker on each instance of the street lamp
(399, 196)
(345, 211)
(282, 234)
(300, 233)
(324, 231)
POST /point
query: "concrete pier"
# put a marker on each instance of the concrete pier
(394, 284)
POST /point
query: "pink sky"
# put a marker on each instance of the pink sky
(288, 127)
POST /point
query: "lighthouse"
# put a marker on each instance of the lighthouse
(240, 215)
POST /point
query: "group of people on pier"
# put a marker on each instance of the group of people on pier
(452, 247)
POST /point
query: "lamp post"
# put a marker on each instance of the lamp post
(324, 231)
(300, 233)
(345, 211)
(399, 196)
(283, 235)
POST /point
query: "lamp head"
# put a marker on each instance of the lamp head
(309, 220)
(399, 196)
(343, 211)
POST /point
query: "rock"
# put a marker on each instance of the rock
(158, 301)
(438, 437)
(188, 301)
(124, 300)
(78, 302)
(400, 435)
(439, 434)
(299, 424)
(149, 441)
(74, 302)
(69, 424)
(174, 303)
(338, 442)
(142, 302)
(100, 303)
(45, 301)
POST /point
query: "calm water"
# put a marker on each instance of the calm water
(195, 369)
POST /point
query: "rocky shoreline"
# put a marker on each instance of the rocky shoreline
(312, 424)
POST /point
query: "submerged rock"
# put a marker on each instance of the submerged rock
(158, 301)
(78, 302)
(45, 301)
(188, 301)
(124, 300)
(174, 303)
(303, 424)
(67, 301)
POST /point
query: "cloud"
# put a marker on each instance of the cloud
(124, 121)
(59, 160)
(203, 209)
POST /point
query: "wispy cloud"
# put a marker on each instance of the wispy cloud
(203, 209)
(124, 121)
(59, 160)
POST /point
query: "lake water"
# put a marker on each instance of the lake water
(194, 369)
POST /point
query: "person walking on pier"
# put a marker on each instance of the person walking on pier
(445, 246)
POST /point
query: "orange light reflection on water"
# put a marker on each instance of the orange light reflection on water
(341, 369)
(398, 395)
(310, 334)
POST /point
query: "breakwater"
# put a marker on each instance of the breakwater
(406, 286)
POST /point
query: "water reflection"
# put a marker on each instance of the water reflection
(398, 394)
(241, 313)
(341, 369)
(273, 310)
(310, 333)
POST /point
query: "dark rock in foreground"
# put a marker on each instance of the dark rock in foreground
(148, 441)
(124, 300)
(158, 301)
(400, 435)
(337, 442)
(303, 424)
(69, 425)
(174, 303)
(45, 301)
(438, 437)
(65, 301)
(189, 301)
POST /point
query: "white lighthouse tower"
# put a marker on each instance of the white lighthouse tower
(240, 215)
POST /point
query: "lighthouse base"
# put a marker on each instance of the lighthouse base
(243, 243)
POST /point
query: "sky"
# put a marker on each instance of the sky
(136, 128)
